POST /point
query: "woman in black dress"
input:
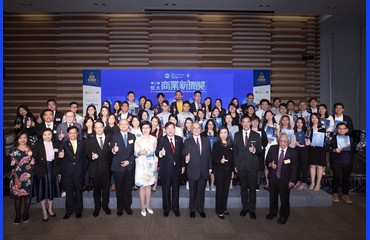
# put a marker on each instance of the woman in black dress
(316, 154)
(46, 184)
(223, 166)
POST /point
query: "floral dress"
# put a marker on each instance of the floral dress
(145, 168)
(20, 178)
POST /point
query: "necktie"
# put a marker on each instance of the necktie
(172, 146)
(246, 139)
(198, 145)
(125, 139)
(48, 125)
(281, 159)
(74, 147)
(101, 143)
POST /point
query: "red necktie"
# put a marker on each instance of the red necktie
(280, 164)
(246, 139)
(172, 146)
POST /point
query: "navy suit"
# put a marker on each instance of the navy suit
(170, 171)
(280, 187)
(197, 171)
(72, 168)
(99, 169)
(124, 176)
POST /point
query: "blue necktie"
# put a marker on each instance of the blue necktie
(125, 139)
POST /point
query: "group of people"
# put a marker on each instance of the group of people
(131, 145)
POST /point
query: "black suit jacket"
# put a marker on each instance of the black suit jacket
(58, 117)
(173, 108)
(170, 162)
(72, 163)
(347, 119)
(242, 157)
(39, 154)
(200, 163)
(220, 150)
(40, 127)
(103, 163)
(289, 167)
(123, 152)
(193, 108)
(345, 157)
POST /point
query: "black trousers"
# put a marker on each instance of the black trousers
(341, 171)
(279, 188)
(222, 179)
(197, 190)
(73, 187)
(101, 191)
(124, 182)
(248, 182)
(171, 191)
(303, 160)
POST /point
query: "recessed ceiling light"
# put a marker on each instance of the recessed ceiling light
(166, 4)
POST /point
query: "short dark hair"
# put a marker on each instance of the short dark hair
(290, 101)
(264, 100)
(245, 116)
(130, 92)
(312, 98)
(178, 91)
(338, 104)
(283, 105)
(51, 100)
(72, 127)
(166, 102)
(71, 103)
(98, 121)
(160, 94)
(342, 124)
(250, 94)
(197, 91)
(145, 123)
(168, 124)
(124, 102)
(186, 102)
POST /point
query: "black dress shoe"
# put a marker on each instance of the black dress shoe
(66, 216)
(270, 216)
(221, 216)
(226, 213)
(192, 214)
(96, 212)
(177, 213)
(17, 220)
(202, 214)
(45, 220)
(119, 213)
(243, 213)
(252, 215)
(165, 214)
(129, 211)
(78, 215)
(282, 220)
(107, 211)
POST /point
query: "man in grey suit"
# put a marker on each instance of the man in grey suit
(62, 127)
(247, 147)
(197, 152)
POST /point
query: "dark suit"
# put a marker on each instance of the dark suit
(222, 172)
(280, 187)
(198, 171)
(174, 109)
(41, 127)
(193, 108)
(99, 169)
(347, 119)
(119, 117)
(39, 154)
(58, 117)
(72, 168)
(170, 171)
(248, 165)
(124, 176)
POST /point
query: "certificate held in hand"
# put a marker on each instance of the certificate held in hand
(270, 132)
(344, 143)
(318, 139)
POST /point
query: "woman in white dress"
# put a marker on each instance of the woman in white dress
(146, 166)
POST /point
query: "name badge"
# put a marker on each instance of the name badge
(57, 119)
(130, 141)
(287, 161)
(56, 149)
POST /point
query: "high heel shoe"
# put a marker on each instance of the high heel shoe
(150, 211)
(45, 220)
(52, 215)
(143, 213)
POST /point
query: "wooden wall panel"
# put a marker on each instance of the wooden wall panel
(45, 53)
